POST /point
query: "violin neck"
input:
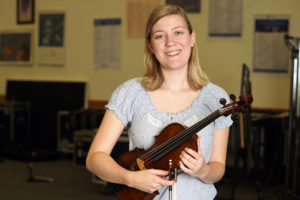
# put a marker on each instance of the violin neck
(180, 138)
(189, 132)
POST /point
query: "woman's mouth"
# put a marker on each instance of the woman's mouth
(173, 53)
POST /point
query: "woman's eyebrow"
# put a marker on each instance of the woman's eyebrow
(177, 27)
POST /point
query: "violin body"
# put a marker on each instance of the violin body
(169, 144)
(129, 160)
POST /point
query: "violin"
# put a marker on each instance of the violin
(168, 145)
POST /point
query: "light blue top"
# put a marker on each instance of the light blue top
(131, 104)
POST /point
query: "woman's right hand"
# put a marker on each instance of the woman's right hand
(149, 180)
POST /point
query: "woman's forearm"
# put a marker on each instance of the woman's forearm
(106, 168)
(212, 172)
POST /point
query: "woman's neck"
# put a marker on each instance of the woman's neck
(175, 81)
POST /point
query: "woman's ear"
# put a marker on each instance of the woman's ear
(148, 43)
(193, 38)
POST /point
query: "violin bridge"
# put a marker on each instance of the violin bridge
(141, 164)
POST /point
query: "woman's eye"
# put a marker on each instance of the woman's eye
(158, 37)
(178, 32)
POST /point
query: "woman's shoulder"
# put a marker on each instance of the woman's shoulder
(130, 85)
(214, 90)
(211, 95)
(131, 82)
(129, 90)
(125, 99)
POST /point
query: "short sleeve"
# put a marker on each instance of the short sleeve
(215, 93)
(124, 99)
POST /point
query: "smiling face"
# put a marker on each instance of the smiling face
(171, 42)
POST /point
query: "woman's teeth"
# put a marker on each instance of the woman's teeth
(173, 53)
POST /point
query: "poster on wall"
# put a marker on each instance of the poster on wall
(107, 44)
(270, 53)
(138, 12)
(225, 18)
(51, 51)
(16, 47)
(189, 6)
(25, 11)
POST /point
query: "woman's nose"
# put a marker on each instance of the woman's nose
(169, 40)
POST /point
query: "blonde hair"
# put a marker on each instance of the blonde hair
(153, 78)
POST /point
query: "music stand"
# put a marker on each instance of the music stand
(293, 43)
(242, 126)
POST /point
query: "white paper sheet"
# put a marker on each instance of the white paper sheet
(269, 51)
(225, 17)
(107, 43)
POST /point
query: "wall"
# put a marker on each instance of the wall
(222, 58)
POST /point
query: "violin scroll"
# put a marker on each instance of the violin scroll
(237, 106)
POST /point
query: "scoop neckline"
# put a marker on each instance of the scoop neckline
(173, 114)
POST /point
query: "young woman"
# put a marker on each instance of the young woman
(174, 89)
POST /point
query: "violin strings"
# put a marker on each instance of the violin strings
(164, 145)
(179, 138)
(183, 136)
(171, 144)
(198, 126)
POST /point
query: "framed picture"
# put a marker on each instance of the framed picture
(25, 11)
(16, 47)
(189, 6)
(51, 31)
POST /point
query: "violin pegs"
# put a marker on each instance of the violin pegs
(232, 97)
(223, 101)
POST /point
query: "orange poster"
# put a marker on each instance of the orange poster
(137, 15)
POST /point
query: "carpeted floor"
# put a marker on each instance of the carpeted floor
(73, 182)
(70, 182)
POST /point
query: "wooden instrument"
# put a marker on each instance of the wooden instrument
(168, 145)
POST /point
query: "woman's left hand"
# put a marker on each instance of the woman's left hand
(192, 162)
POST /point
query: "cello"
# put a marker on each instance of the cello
(169, 144)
